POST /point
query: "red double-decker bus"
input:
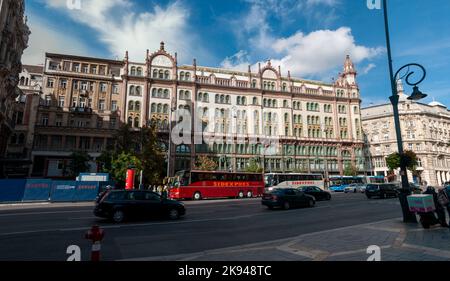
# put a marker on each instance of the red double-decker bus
(199, 185)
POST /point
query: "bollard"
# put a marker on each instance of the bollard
(96, 235)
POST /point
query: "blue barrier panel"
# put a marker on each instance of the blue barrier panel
(37, 190)
(63, 191)
(12, 190)
(86, 191)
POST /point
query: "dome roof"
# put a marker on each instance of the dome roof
(435, 103)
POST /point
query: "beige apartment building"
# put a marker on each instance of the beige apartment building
(79, 110)
(425, 130)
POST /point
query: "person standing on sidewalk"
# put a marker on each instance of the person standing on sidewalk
(440, 211)
(444, 199)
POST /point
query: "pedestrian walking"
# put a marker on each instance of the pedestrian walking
(444, 200)
(440, 211)
(165, 192)
(160, 190)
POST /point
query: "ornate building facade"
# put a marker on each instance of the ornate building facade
(13, 40)
(316, 125)
(425, 130)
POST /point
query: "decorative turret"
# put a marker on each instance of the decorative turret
(349, 73)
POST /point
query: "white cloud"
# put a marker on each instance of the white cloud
(368, 68)
(121, 29)
(44, 38)
(316, 53)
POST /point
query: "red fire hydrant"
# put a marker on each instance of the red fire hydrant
(96, 235)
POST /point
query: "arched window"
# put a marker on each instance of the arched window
(130, 105)
(153, 108)
(136, 122)
(160, 93)
(205, 97)
(137, 106)
(154, 93)
(182, 75)
(130, 121)
(181, 95)
(22, 81)
(133, 71)
(255, 101)
(155, 73)
(132, 91)
(285, 103)
(138, 91)
(244, 101)
(238, 101)
(227, 99)
(254, 83)
(161, 74)
(217, 99)
(187, 95)
(273, 86)
(188, 76)
(284, 87)
(159, 108)
(139, 71)
(166, 94)
(166, 109)
(222, 99)
(166, 74)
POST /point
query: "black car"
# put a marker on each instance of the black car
(316, 192)
(381, 190)
(287, 198)
(119, 205)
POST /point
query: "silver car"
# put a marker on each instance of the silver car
(355, 188)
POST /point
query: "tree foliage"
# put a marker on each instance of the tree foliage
(409, 159)
(78, 163)
(254, 166)
(351, 171)
(204, 163)
(152, 156)
(121, 164)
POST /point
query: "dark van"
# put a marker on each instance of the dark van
(381, 190)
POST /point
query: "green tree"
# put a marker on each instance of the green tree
(105, 161)
(204, 163)
(121, 164)
(152, 156)
(78, 163)
(125, 139)
(254, 166)
(351, 171)
(409, 158)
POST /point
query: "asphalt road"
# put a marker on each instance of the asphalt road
(45, 232)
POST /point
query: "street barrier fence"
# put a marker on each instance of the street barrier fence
(34, 190)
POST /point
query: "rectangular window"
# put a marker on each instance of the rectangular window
(63, 84)
(76, 67)
(44, 120)
(101, 105)
(85, 68)
(114, 105)
(48, 100)
(50, 83)
(84, 85)
(103, 87)
(61, 101)
(93, 69)
(115, 89)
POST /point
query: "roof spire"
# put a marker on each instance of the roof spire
(161, 46)
(349, 67)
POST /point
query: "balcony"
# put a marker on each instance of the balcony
(86, 110)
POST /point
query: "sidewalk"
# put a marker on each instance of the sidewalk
(398, 242)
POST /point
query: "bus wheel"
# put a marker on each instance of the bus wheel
(241, 194)
(197, 196)
(249, 194)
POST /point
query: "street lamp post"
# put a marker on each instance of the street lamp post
(417, 95)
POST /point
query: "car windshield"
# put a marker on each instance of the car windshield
(372, 186)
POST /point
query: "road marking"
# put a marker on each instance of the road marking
(284, 241)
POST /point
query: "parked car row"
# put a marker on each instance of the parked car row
(287, 198)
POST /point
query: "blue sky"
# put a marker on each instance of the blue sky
(308, 37)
